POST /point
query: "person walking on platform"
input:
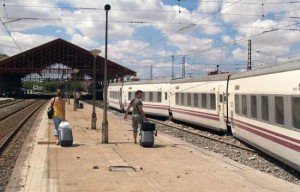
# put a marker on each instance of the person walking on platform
(137, 112)
(77, 96)
(59, 112)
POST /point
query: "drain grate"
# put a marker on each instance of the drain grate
(121, 168)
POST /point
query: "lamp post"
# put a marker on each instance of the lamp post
(75, 72)
(94, 52)
(105, 123)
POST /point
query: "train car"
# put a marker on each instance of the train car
(114, 93)
(200, 101)
(155, 96)
(264, 110)
(37, 88)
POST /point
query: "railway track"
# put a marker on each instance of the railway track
(13, 108)
(197, 133)
(11, 122)
(13, 131)
(7, 103)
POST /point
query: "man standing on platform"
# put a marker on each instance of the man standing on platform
(137, 112)
(77, 96)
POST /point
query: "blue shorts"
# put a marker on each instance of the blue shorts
(56, 122)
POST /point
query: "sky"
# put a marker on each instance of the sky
(146, 35)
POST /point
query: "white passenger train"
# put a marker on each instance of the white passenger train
(260, 107)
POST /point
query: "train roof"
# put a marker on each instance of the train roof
(220, 77)
(278, 68)
(141, 82)
(281, 67)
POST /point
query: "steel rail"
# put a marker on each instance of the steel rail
(201, 135)
(6, 139)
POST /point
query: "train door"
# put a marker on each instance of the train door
(221, 100)
(120, 100)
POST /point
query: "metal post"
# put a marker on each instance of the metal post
(75, 72)
(172, 66)
(151, 72)
(249, 66)
(94, 117)
(94, 52)
(75, 102)
(105, 123)
(183, 67)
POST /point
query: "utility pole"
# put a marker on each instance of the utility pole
(151, 72)
(183, 67)
(249, 66)
(172, 66)
(105, 122)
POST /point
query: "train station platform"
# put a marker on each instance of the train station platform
(172, 165)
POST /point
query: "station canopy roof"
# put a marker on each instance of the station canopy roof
(59, 51)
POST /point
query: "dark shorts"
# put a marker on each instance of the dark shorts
(136, 122)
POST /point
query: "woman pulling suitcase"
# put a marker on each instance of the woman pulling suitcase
(59, 112)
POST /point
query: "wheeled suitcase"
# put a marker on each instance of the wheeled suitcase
(65, 135)
(147, 134)
(80, 105)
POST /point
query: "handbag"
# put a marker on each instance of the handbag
(50, 110)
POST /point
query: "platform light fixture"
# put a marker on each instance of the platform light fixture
(95, 52)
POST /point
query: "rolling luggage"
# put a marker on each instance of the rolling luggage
(65, 135)
(147, 134)
(80, 105)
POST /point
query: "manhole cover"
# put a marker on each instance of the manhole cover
(121, 168)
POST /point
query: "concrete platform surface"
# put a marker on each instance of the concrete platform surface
(172, 165)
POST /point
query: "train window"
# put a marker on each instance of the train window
(144, 96)
(236, 104)
(150, 96)
(253, 106)
(203, 97)
(221, 98)
(159, 97)
(196, 104)
(296, 112)
(265, 108)
(177, 98)
(244, 105)
(129, 96)
(166, 95)
(279, 110)
(182, 99)
(213, 101)
(225, 98)
(189, 99)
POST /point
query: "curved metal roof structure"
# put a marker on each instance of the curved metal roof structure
(59, 51)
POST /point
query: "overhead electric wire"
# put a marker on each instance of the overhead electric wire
(8, 31)
(226, 44)
(147, 10)
(149, 39)
(183, 28)
(242, 39)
